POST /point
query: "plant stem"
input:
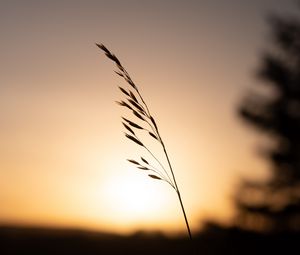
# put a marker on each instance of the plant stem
(184, 214)
(170, 166)
(177, 190)
(169, 163)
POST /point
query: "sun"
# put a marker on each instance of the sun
(134, 196)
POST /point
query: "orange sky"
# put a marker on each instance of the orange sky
(62, 151)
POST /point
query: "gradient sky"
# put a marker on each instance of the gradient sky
(62, 150)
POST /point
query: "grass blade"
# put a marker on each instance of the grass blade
(153, 135)
(154, 176)
(124, 91)
(138, 115)
(144, 160)
(128, 128)
(143, 168)
(134, 139)
(133, 97)
(136, 105)
(133, 161)
(132, 124)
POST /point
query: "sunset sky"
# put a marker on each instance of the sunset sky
(62, 151)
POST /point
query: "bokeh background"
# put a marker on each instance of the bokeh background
(62, 150)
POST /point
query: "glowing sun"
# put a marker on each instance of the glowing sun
(134, 196)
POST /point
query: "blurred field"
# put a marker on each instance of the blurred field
(214, 240)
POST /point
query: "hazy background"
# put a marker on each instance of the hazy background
(62, 151)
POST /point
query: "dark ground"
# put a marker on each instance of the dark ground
(214, 240)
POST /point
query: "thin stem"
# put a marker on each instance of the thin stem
(153, 129)
(184, 214)
(178, 193)
(170, 166)
(176, 186)
(148, 112)
(171, 169)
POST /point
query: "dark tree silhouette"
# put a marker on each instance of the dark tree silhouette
(275, 204)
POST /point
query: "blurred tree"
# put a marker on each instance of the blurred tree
(275, 203)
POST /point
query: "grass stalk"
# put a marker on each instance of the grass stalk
(178, 194)
(136, 103)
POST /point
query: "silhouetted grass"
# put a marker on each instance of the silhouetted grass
(135, 103)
